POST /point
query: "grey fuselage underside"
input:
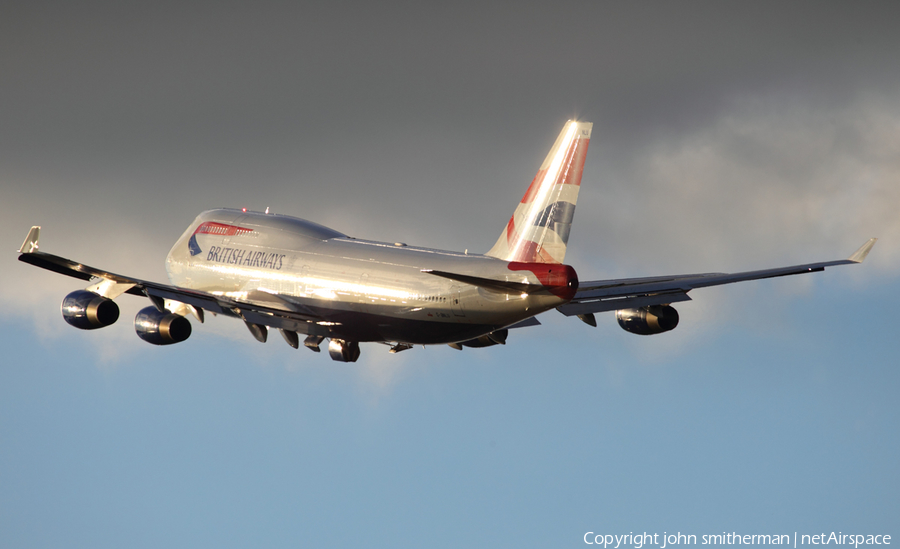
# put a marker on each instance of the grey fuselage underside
(348, 288)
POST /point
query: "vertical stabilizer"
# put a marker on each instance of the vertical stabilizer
(539, 229)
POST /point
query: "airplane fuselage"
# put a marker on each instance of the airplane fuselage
(368, 290)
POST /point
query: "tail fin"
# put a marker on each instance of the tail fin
(539, 229)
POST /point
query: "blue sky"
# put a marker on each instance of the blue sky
(535, 444)
(725, 138)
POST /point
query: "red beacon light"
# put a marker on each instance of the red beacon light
(244, 210)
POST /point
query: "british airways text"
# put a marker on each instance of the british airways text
(237, 256)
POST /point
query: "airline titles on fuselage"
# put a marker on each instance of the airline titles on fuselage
(247, 258)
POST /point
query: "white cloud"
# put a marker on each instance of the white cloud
(770, 180)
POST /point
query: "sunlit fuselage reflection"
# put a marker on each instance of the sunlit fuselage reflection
(288, 264)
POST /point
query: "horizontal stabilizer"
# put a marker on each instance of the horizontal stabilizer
(499, 286)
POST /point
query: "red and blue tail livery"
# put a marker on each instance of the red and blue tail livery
(538, 230)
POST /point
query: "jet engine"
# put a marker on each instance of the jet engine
(654, 319)
(88, 311)
(343, 351)
(161, 328)
(497, 337)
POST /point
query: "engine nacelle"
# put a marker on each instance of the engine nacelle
(161, 328)
(654, 319)
(343, 351)
(88, 311)
(497, 337)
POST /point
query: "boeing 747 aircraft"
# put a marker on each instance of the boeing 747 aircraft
(277, 271)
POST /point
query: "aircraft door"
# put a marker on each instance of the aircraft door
(456, 301)
(363, 295)
(302, 284)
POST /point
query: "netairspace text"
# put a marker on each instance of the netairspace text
(637, 541)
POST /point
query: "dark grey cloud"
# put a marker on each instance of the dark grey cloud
(725, 134)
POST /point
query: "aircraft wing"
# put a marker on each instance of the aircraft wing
(628, 293)
(260, 308)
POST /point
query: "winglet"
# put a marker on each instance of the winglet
(31, 241)
(860, 254)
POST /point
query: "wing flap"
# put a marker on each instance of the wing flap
(613, 304)
(74, 269)
(202, 300)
